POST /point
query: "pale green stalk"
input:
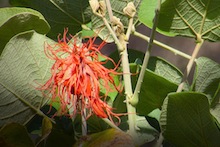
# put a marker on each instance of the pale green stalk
(84, 123)
(122, 48)
(190, 64)
(135, 98)
(129, 30)
(126, 69)
(109, 9)
(131, 110)
(164, 46)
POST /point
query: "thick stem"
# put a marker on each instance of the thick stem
(131, 110)
(122, 48)
(84, 124)
(189, 65)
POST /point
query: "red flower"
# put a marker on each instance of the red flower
(77, 76)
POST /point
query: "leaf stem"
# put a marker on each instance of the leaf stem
(135, 97)
(159, 141)
(61, 9)
(129, 30)
(190, 64)
(117, 42)
(111, 124)
(109, 9)
(164, 46)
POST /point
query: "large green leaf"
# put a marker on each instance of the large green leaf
(186, 120)
(165, 69)
(146, 15)
(207, 78)
(16, 20)
(160, 78)
(153, 119)
(145, 134)
(117, 9)
(59, 13)
(62, 130)
(110, 137)
(215, 112)
(186, 18)
(153, 92)
(15, 135)
(23, 66)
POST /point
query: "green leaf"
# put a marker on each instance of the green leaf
(112, 91)
(153, 92)
(46, 129)
(95, 124)
(16, 20)
(165, 69)
(117, 9)
(153, 119)
(23, 67)
(60, 13)
(110, 137)
(119, 106)
(215, 112)
(146, 133)
(62, 134)
(86, 31)
(146, 15)
(207, 77)
(197, 19)
(160, 78)
(15, 135)
(186, 120)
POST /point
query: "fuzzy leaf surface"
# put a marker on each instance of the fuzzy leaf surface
(207, 78)
(16, 20)
(186, 120)
(196, 19)
(23, 67)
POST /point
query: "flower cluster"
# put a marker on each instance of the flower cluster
(78, 75)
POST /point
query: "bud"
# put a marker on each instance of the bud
(117, 26)
(130, 10)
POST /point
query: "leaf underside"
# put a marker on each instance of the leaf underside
(197, 19)
(16, 20)
(23, 68)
